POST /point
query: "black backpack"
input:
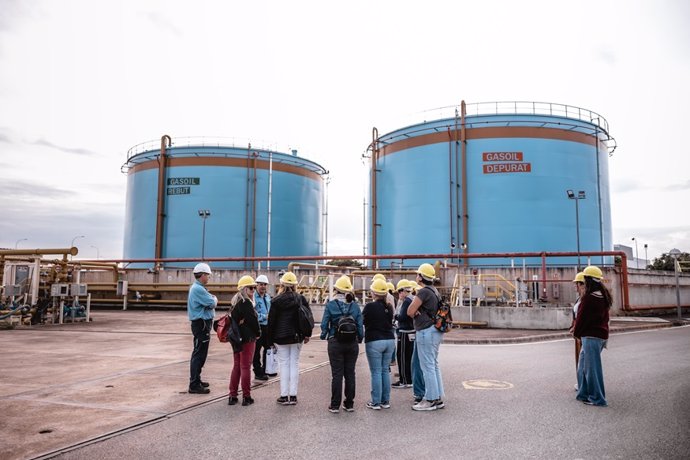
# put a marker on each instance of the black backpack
(346, 328)
(305, 318)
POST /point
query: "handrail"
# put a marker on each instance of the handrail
(146, 151)
(478, 109)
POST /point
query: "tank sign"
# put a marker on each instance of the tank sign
(516, 157)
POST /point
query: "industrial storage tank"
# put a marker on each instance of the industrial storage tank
(492, 178)
(201, 198)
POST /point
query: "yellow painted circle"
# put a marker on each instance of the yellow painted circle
(486, 384)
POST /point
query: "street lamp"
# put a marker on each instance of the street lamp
(580, 196)
(98, 254)
(19, 241)
(637, 259)
(675, 253)
(646, 258)
(73, 240)
(204, 214)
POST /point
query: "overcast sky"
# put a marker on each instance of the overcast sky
(82, 81)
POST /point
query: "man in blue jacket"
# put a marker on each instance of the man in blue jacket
(201, 308)
(262, 304)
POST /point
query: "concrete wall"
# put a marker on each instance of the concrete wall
(517, 318)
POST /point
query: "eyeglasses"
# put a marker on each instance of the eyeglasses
(251, 288)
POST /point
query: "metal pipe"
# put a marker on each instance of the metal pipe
(465, 215)
(543, 276)
(73, 251)
(450, 189)
(270, 202)
(254, 181)
(160, 216)
(246, 206)
(374, 221)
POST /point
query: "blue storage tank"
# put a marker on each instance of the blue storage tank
(491, 178)
(216, 199)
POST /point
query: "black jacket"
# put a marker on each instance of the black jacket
(283, 320)
(249, 328)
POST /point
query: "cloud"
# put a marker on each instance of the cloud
(5, 138)
(11, 11)
(163, 23)
(606, 55)
(12, 190)
(76, 151)
(676, 187)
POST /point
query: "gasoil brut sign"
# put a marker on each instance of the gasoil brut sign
(495, 163)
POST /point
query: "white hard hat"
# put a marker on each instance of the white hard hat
(202, 268)
(262, 279)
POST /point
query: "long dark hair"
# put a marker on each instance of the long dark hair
(594, 285)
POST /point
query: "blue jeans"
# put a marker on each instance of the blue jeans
(379, 354)
(418, 388)
(590, 375)
(427, 343)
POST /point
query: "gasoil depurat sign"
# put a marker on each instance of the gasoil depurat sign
(181, 185)
(504, 162)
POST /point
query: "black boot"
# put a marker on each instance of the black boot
(232, 400)
(247, 400)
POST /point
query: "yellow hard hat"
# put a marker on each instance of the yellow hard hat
(403, 284)
(390, 286)
(343, 284)
(378, 276)
(594, 272)
(579, 278)
(288, 278)
(379, 287)
(245, 281)
(427, 272)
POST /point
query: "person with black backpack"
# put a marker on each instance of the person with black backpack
(287, 332)
(342, 326)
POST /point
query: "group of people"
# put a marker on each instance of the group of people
(263, 323)
(396, 328)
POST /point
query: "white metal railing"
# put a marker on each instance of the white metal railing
(153, 147)
(511, 108)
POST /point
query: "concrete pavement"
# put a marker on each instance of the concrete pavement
(67, 385)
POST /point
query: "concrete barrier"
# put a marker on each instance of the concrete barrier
(550, 318)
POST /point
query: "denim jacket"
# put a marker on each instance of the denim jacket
(262, 306)
(332, 313)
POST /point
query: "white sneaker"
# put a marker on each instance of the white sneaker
(576, 388)
(425, 405)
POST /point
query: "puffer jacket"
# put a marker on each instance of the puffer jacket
(283, 319)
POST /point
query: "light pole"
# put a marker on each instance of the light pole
(637, 259)
(675, 253)
(98, 254)
(73, 240)
(646, 259)
(19, 241)
(204, 214)
(580, 196)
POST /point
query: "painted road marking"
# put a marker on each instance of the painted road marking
(485, 384)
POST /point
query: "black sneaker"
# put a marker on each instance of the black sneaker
(293, 400)
(284, 400)
(247, 401)
(232, 400)
(263, 378)
(271, 375)
(204, 384)
(333, 409)
(349, 407)
(399, 385)
(418, 399)
(199, 390)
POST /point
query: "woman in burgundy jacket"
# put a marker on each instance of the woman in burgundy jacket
(592, 327)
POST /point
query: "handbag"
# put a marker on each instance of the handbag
(271, 361)
(221, 326)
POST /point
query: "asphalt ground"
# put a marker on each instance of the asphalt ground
(116, 388)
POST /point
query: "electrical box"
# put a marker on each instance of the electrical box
(78, 289)
(13, 290)
(122, 288)
(59, 290)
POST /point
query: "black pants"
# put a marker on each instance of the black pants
(201, 329)
(403, 356)
(259, 363)
(343, 357)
